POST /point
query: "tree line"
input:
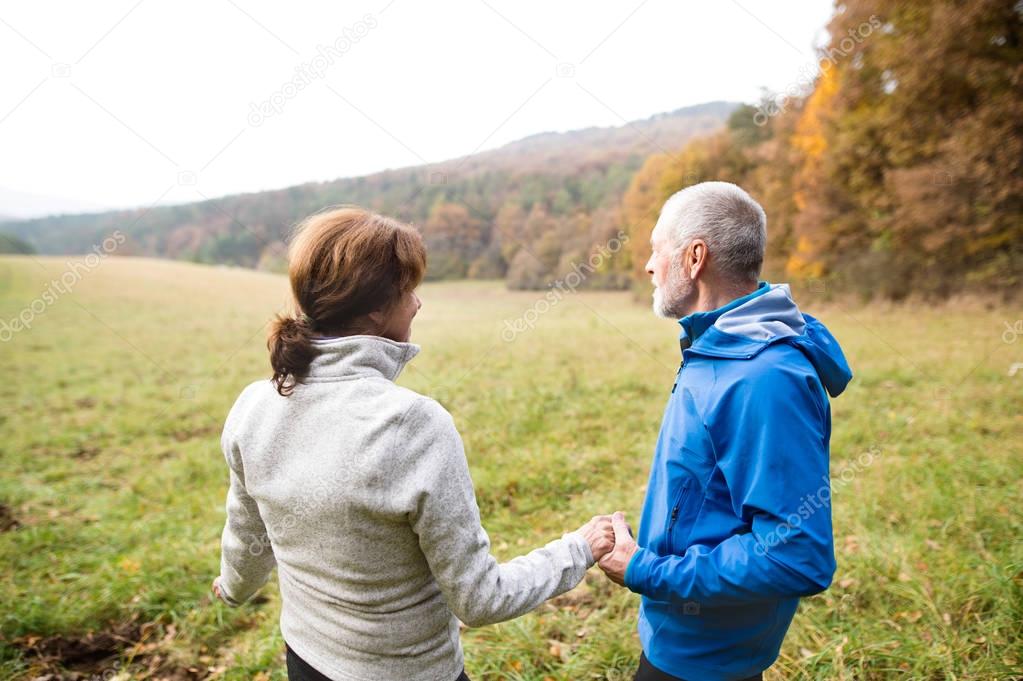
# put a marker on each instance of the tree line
(899, 171)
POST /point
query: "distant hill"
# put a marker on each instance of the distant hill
(568, 151)
(525, 210)
(12, 244)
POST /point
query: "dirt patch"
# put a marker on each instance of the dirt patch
(79, 657)
(7, 520)
(101, 655)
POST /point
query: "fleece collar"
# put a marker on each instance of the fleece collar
(359, 357)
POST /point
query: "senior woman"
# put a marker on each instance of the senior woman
(357, 489)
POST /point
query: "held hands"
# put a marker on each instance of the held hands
(615, 562)
(611, 543)
(599, 534)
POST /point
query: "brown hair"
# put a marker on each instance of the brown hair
(344, 263)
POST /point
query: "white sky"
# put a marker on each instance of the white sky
(132, 102)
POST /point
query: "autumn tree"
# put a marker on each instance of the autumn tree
(454, 238)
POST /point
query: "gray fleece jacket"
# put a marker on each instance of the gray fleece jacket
(358, 491)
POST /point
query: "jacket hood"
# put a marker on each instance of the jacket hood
(771, 317)
(358, 357)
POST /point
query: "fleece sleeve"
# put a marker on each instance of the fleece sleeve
(446, 519)
(246, 557)
(770, 436)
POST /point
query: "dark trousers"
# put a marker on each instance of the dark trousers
(648, 672)
(300, 670)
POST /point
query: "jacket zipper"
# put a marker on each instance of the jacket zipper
(678, 500)
(674, 513)
(678, 374)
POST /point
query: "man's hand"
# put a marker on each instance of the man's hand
(615, 563)
(599, 535)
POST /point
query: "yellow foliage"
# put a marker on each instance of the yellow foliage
(641, 204)
(799, 200)
(801, 263)
(809, 139)
(809, 134)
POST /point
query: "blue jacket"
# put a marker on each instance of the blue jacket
(736, 525)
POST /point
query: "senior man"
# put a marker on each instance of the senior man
(736, 525)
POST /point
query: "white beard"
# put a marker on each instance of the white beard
(659, 309)
(670, 299)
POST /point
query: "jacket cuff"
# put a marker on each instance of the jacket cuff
(638, 570)
(583, 545)
(225, 596)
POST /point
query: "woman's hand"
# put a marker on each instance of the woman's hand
(600, 535)
(215, 588)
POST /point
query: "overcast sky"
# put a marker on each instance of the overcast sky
(123, 103)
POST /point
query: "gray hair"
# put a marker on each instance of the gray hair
(727, 218)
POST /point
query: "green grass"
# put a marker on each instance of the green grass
(114, 398)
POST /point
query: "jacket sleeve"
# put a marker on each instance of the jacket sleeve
(770, 435)
(246, 558)
(446, 519)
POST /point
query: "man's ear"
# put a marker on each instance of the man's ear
(696, 257)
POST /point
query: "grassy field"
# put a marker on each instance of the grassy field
(113, 483)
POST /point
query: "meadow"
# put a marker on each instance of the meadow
(113, 486)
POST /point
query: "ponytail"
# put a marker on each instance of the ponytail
(291, 351)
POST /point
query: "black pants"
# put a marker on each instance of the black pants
(300, 670)
(648, 672)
